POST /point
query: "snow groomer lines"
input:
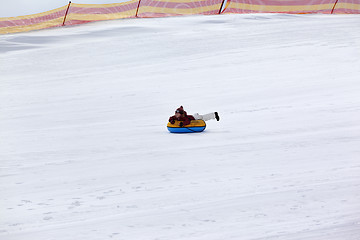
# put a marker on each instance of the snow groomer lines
(74, 13)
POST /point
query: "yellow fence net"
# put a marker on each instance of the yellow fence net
(74, 13)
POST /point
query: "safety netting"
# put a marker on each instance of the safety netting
(163, 8)
(347, 7)
(74, 13)
(292, 6)
(53, 18)
(83, 13)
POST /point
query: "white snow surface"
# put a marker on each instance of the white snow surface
(85, 153)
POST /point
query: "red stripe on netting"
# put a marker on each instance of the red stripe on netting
(350, 1)
(155, 15)
(209, 12)
(182, 5)
(346, 11)
(179, 5)
(108, 10)
(241, 11)
(32, 20)
(283, 3)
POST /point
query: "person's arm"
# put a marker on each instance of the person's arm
(172, 120)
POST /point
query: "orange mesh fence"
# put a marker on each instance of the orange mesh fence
(162, 8)
(83, 13)
(292, 6)
(53, 18)
(347, 6)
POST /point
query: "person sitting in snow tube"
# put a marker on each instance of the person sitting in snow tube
(181, 122)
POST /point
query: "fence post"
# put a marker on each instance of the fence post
(67, 10)
(222, 4)
(137, 10)
(332, 10)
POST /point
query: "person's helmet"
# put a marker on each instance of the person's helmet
(180, 110)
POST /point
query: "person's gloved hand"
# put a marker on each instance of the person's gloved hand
(181, 124)
(172, 121)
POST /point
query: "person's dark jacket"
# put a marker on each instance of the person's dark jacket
(185, 119)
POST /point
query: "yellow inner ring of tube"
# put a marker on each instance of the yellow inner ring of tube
(193, 123)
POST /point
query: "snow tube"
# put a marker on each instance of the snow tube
(194, 126)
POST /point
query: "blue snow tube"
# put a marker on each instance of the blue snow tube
(193, 127)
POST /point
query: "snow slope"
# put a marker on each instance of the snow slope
(85, 153)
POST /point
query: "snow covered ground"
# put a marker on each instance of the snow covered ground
(85, 153)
